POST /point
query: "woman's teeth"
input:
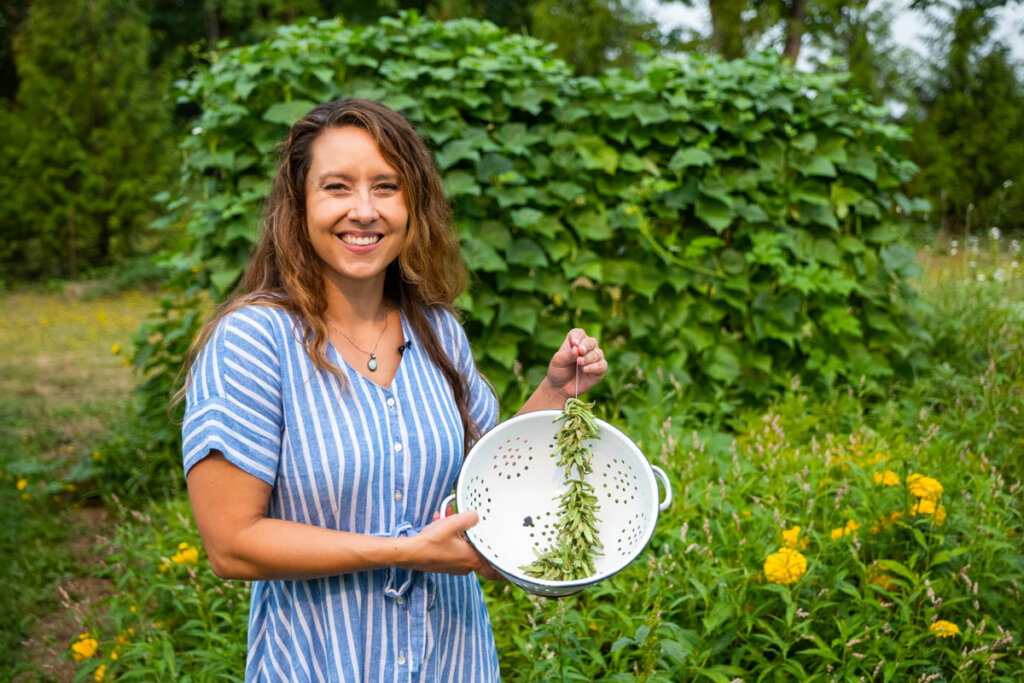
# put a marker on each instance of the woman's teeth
(360, 240)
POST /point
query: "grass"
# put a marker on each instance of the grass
(63, 386)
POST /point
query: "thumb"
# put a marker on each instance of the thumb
(462, 521)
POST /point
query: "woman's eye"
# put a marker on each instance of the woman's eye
(334, 187)
(388, 187)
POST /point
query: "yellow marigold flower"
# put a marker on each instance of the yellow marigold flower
(836, 533)
(164, 566)
(924, 506)
(924, 487)
(115, 349)
(851, 527)
(100, 673)
(940, 515)
(132, 608)
(888, 478)
(878, 577)
(22, 483)
(84, 647)
(791, 538)
(894, 515)
(113, 655)
(785, 567)
(186, 553)
(944, 629)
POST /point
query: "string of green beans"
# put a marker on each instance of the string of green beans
(572, 556)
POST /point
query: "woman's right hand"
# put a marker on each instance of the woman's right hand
(442, 547)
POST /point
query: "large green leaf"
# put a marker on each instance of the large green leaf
(287, 113)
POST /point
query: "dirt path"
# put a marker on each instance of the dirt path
(64, 384)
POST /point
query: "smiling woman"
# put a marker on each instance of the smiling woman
(330, 403)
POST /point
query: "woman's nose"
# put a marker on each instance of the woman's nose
(364, 211)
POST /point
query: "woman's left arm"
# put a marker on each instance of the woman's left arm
(577, 351)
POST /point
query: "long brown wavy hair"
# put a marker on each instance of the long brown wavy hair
(285, 271)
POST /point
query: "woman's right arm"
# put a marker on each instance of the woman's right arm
(230, 508)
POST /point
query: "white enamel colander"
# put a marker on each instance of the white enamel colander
(511, 479)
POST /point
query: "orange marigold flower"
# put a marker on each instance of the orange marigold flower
(944, 629)
(785, 567)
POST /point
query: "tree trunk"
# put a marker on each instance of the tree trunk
(727, 27)
(796, 17)
(212, 24)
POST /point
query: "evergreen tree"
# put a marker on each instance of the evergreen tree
(90, 144)
(592, 35)
(967, 127)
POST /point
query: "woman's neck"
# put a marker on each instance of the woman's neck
(356, 303)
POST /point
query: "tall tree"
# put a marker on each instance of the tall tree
(592, 35)
(967, 125)
(91, 140)
(857, 37)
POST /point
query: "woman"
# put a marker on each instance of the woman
(330, 404)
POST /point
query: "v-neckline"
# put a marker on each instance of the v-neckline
(341, 362)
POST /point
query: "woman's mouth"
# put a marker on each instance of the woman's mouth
(360, 240)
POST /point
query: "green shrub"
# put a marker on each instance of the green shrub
(736, 222)
(170, 618)
(698, 603)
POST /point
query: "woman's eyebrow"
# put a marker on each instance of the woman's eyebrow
(329, 175)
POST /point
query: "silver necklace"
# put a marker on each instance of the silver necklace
(372, 363)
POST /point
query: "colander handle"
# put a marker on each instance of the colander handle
(444, 505)
(660, 473)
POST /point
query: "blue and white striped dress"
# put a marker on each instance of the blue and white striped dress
(358, 458)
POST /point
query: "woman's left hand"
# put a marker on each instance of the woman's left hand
(577, 351)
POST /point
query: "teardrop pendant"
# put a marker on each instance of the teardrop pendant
(372, 363)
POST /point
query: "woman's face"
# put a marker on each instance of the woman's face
(355, 207)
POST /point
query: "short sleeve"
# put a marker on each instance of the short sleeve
(233, 402)
(483, 404)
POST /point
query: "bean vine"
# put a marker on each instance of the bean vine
(572, 555)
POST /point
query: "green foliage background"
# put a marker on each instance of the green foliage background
(88, 144)
(737, 223)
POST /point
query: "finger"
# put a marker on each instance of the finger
(588, 351)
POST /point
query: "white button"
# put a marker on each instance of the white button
(398, 495)
(391, 402)
(398, 447)
(400, 600)
(401, 658)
